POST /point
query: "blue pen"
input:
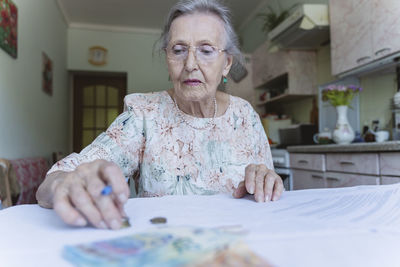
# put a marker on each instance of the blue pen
(106, 190)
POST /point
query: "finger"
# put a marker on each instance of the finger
(250, 178)
(109, 211)
(260, 178)
(278, 188)
(105, 204)
(240, 191)
(62, 206)
(112, 175)
(81, 199)
(269, 185)
(108, 208)
(121, 209)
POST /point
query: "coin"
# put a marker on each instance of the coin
(125, 222)
(158, 220)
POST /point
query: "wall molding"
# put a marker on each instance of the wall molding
(63, 12)
(102, 27)
(111, 28)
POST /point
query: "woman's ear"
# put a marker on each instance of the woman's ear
(228, 65)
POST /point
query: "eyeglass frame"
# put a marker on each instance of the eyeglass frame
(219, 50)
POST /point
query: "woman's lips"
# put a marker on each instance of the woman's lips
(192, 82)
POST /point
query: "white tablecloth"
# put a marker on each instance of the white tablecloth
(338, 227)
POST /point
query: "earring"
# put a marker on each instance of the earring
(225, 80)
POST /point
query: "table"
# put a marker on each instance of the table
(357, 226)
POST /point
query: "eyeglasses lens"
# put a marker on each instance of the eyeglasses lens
(203, 53)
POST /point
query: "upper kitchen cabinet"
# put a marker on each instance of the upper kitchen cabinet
(292, 72)
(267, 66)
(385, 27)
(362, 32)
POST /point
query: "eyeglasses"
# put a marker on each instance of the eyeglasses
(203, 53)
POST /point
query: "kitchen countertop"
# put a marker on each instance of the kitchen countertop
(354, 147)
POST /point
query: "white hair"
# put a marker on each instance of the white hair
(184, 7)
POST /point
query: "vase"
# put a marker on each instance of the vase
(343, 133)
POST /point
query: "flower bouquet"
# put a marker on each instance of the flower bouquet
(340, 96)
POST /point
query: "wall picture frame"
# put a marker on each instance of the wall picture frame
(97, 55)
(9, 27)
(47, 74)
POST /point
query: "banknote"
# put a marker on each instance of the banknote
(167, 246)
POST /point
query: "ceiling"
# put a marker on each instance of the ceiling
(141, 14)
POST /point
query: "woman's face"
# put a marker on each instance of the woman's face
(197, 77)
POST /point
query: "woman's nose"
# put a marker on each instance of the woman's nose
(191, 60)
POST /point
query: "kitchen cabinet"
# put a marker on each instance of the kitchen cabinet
(390, 180)
(306, 161)
(365, 163)
(306, 179)
(351, 39)
(307, 170)
(362, 31)
(389, 164)
(351, 169)
(385, 27)
(294, 72)
(339, 179)
(266, 65)
(329, 170)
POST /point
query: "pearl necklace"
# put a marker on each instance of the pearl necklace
(210, 123)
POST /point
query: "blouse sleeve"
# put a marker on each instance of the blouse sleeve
(261, 145)
(121, 143)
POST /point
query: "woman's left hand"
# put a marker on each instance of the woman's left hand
(264, 183)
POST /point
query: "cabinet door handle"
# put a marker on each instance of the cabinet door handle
(387, 49)
(346, 163)
(361, 59)
(302, 161)
(333, 178)
(316, 176)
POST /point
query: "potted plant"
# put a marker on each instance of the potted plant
(272, 19)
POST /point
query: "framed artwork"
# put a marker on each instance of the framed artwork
(8, 27)
(47, 75)
(97, 55)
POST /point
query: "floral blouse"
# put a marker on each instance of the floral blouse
(173, 156)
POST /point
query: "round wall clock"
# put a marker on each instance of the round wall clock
(97, 55)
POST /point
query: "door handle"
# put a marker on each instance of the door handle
(333, 178)
(361, 59)
(302, 161)
(316, 176)
(346, 163)
(387, 49)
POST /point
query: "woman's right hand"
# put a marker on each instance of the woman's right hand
(76, 196)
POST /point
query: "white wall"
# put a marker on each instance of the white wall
(129, 52)
(375, 99)
(32, 122)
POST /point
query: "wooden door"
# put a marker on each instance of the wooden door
(98, 100)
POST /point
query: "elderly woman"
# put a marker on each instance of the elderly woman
(191, 139)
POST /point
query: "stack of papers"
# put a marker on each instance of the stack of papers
(355, 226)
